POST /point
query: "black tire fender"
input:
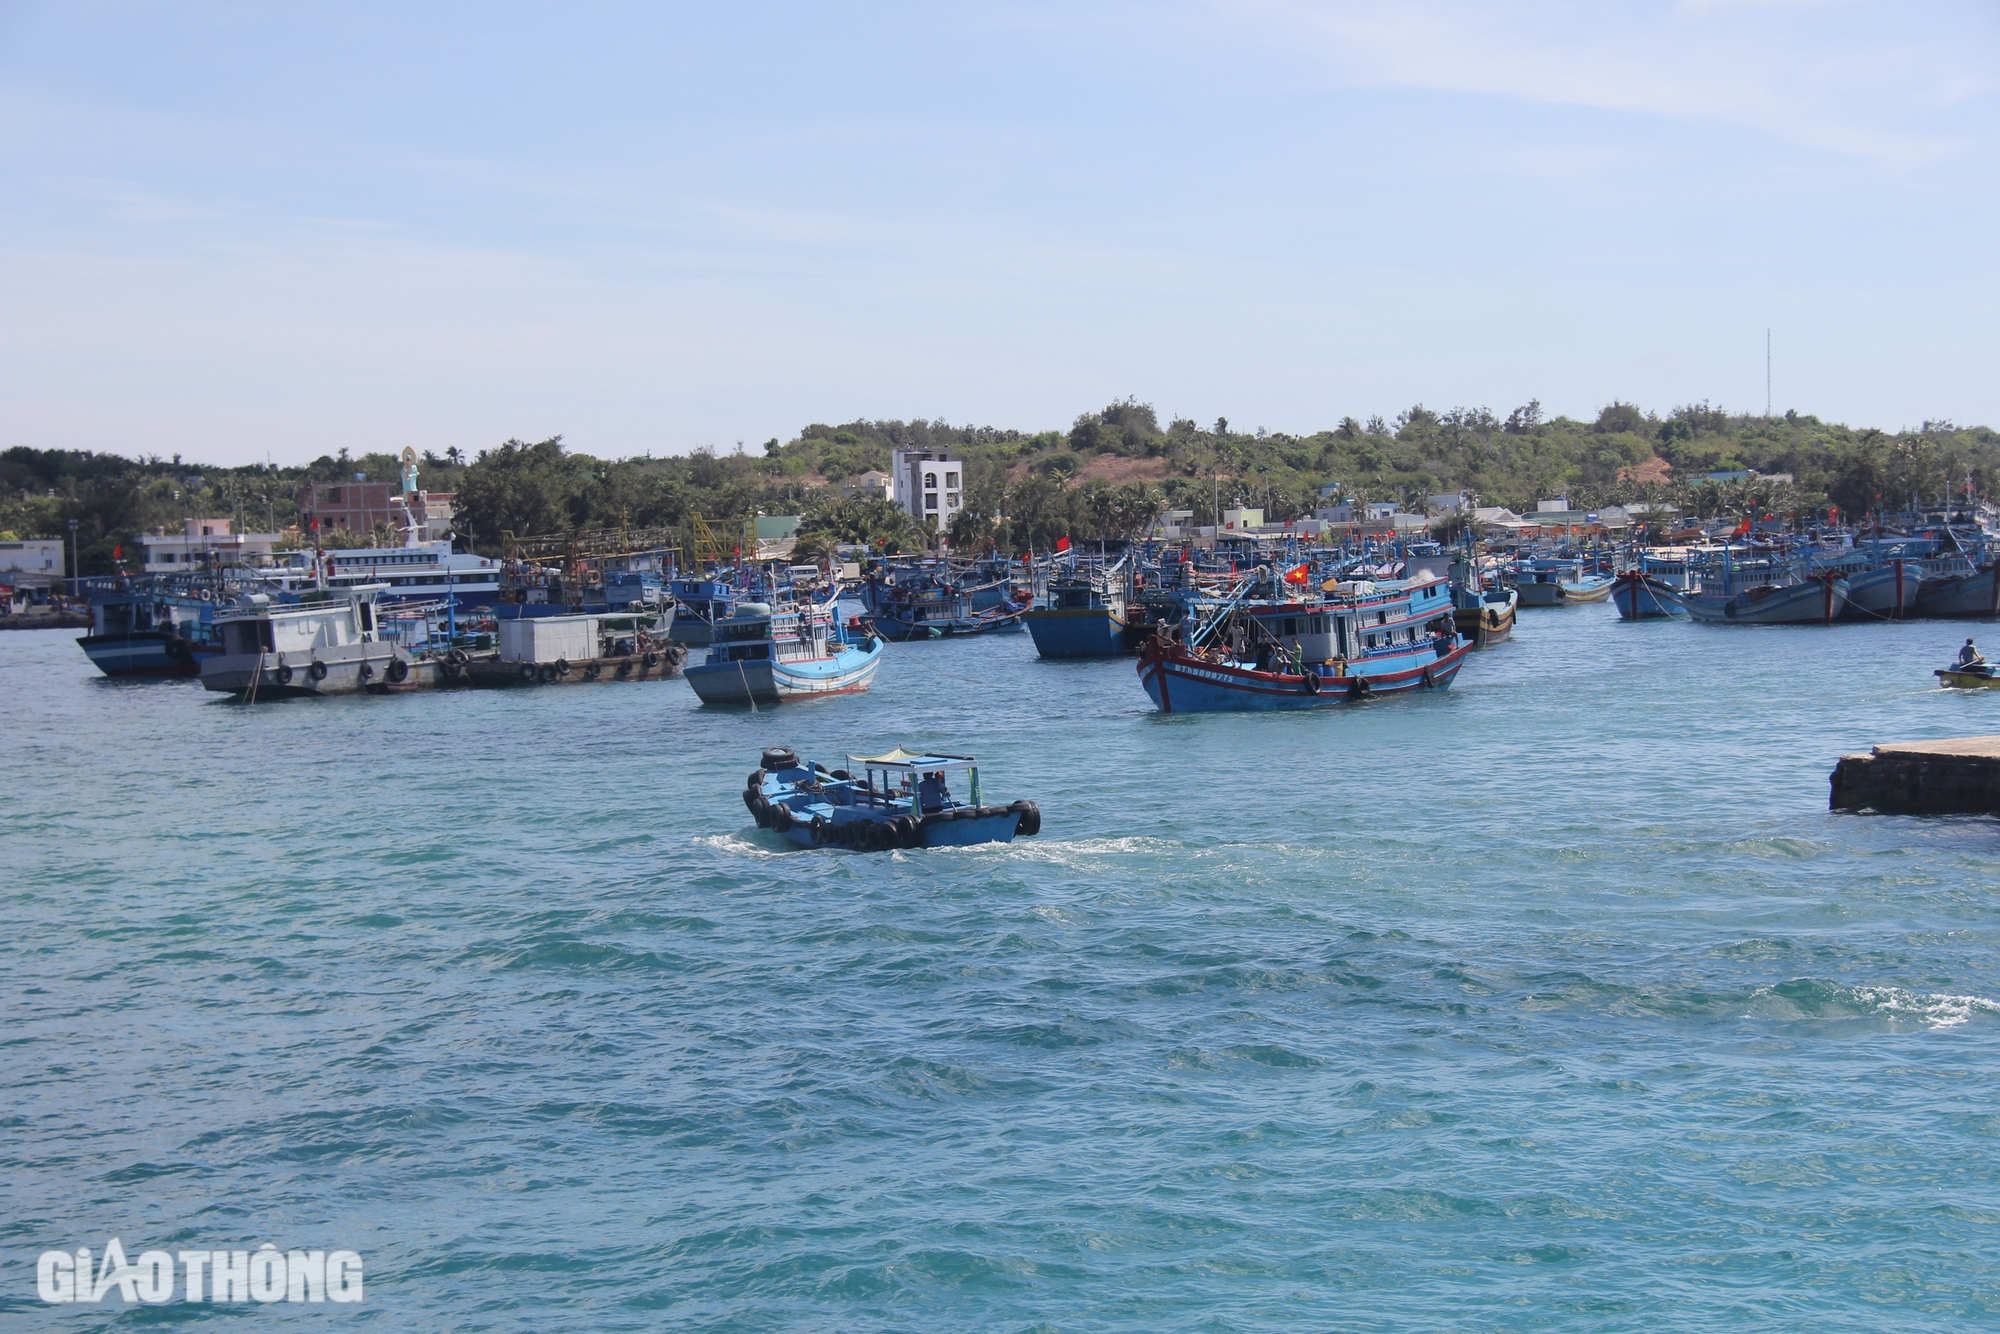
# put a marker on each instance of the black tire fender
(1031, 818)
(283, 676)
(527, 671)
(562, 666)
(316, 672)
(397, 671)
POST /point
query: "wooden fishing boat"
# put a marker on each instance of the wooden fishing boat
(1356, 640)
(899, 800)
(763, 655)
(1082, 616)
(1641, 595)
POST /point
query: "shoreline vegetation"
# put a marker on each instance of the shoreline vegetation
(1108, 476)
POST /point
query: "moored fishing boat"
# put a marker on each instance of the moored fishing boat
(572, 650)
(1971, 592)
(1641, 595)
(1482, 610)
(899, 800)
(1558, 581)
(926, 605)
(138, 628)
(1082, 616)
(1357, 639)
(326, 643)
(1886, 592)
(1762, 594)
(762, 656)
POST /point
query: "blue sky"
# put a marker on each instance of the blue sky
(243, 230)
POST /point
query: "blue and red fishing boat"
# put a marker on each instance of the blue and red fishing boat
(1352, 641)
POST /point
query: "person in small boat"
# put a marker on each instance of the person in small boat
(931, 793)
(1970, 656)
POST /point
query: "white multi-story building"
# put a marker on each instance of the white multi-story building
(37, 562)
(207, 544)
(929, 484)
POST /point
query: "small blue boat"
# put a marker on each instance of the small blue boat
(899, 800)
(762, 656)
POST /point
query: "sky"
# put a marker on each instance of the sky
(245, 231)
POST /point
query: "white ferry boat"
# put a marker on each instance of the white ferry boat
(413, 572)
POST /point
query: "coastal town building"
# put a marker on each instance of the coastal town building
(928, 484)
(207, 544)
(36, 562)
(871, 485)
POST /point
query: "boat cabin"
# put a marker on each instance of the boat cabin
(923, 780)
(757, 633)
(319, 619)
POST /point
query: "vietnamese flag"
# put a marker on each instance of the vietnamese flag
(1297, 576)
(1062, 544)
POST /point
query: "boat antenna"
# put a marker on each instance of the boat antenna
(1767, 373)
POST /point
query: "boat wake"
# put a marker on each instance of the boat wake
(1811, 998)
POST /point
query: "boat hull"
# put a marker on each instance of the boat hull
(492, 672)
(146, 653)
(1089, 632)
(904, 631)
(1540, 595)
(762, 682)
(1815, 602)
(339, 669)
(1490, 623)
(1968, 680)
(962, 828)
(1976, 594)
(1886, 593)
(1180, 683)
(1641, 597)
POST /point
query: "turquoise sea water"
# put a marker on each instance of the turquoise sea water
(1556, 1001)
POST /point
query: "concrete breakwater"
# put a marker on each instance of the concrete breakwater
(1957, 776)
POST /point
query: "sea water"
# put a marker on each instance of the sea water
(1554, 1001)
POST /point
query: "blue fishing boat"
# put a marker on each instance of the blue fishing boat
(761, 655)
(923, 604)
(698, 605)
(1558, 581)
(899, 800)
(147, 628)
(1356, 639)
(1652, 589)
(1763, 591)
(1083, 614)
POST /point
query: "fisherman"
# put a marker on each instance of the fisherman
(1970, 656)
(931, 793)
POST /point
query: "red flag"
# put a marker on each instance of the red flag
(1062, 544)
(118, 552)
(1297, 576)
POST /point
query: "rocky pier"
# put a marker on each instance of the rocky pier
(1958, 776)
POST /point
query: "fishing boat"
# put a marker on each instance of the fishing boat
(1764, 592)
(917, 605)
(572, 650)
(1083, 615)
(326, 643)
(763, 655)
(899, 800)
(1357, 639)
(1642, 594)
(1558, 581)
(1974, 591)
(1887, 591)
(698, 605)
(144, 628)
(1482, 609)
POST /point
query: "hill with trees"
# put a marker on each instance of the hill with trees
(1108, 475)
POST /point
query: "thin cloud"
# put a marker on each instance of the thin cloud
(1866, 80)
